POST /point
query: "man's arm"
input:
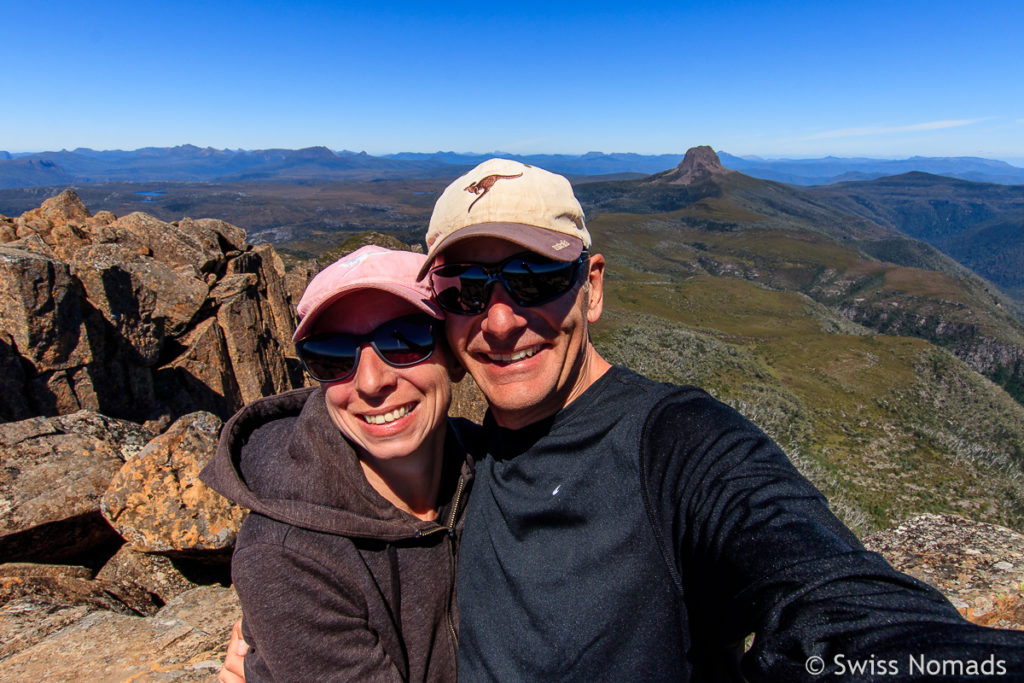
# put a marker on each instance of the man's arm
(757, 550)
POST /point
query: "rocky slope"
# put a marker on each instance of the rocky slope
(115, 554)
(137, 318)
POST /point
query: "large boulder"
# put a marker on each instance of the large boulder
(55, 472)
(157, 502)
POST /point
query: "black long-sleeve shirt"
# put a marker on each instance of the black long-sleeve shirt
(645, 530)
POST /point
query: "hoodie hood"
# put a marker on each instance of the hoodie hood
(284, 458)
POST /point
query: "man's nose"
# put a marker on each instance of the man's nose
(502, 316)
(373, 375)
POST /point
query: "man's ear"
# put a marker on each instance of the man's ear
(595, 285)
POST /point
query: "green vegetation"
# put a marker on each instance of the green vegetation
(886, 427)
(978, 224)
(775, 303)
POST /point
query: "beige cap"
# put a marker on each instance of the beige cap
(523, 204)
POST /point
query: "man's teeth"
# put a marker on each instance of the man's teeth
(513, 357)
(387, 417)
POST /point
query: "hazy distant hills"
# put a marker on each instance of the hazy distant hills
(188, 163)
(981, 225)
(836, 169)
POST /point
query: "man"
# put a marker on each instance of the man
(621, 529)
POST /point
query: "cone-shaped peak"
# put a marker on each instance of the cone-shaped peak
(701, 158)
(700, 163)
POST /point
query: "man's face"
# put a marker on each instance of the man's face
(529, 361)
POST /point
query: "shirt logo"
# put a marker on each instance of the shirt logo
(484, 185)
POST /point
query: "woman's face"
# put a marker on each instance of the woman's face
(387, 412)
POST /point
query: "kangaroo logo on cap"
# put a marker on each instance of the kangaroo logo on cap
(483, 186)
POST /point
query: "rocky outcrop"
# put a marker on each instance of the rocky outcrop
(140, 597)
(137, 318)
(184, 641)
(55, 470)
(699, 164)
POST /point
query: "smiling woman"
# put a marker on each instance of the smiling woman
(345, 568)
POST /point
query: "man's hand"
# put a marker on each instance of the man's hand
(233, 670)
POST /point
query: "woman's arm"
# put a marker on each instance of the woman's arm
(304, 621)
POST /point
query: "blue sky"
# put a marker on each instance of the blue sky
(779, 79)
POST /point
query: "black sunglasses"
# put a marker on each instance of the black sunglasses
(529, 278)
(399, 343)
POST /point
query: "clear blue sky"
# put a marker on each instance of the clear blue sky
(887, 79)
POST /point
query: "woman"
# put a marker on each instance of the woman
(346, 567)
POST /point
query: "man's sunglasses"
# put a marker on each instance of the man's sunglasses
(530, 279)
(399, 343)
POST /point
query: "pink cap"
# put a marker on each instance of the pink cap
(369, 267)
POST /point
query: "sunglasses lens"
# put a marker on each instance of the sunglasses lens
(406, 341)
(400, 343)
(460, 288)
(532, 283)
(328, 357)
(464, 288)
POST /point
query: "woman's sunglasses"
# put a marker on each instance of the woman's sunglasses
(399, 343)
(530, 279)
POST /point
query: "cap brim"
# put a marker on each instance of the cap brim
(553, 245)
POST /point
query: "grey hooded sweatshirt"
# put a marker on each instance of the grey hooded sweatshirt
(336, 583)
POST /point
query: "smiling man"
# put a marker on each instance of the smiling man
(622, 529)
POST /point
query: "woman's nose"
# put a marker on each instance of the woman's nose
(373, 374)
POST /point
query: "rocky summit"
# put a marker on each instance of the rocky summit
(137, 318)
(124, 343)
(700, 163)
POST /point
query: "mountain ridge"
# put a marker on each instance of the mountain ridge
(785, 238)
(189, 163)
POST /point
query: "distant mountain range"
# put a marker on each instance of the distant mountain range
(188, 163)
(836, 169)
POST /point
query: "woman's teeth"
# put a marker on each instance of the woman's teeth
(387, 417)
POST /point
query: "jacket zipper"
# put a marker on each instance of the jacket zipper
(452, 558)
(454, 562)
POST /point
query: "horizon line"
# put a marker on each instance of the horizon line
(500, 153)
